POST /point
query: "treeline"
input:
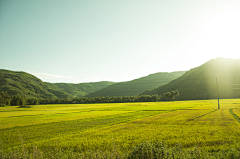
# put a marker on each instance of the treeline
(107, 99)
(7, 100)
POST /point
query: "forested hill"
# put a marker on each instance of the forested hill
(137, 86)
(25, 84)
(80, 89)
(201, 83)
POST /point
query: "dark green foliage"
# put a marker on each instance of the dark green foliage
(33, 101)
(159, 150)
(200, 82)
(5, 99)
(107, 99)
(27, 85)
(24, 106)
(149, 150)
(171, 94)
(19, 100)
(137, 86)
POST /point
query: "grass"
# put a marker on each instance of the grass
(173, 128)
(25, 120)
(31, 133)
(116, 128)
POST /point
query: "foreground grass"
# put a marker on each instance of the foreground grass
(151, 150)
(116, 130)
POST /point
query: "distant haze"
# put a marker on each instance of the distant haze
(87, 41)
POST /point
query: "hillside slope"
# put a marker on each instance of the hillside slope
(25, 84)
(200, 82)
(134, 87)
(80, 89)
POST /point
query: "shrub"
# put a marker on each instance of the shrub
(151, 150)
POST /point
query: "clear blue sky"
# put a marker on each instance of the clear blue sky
(116, 40)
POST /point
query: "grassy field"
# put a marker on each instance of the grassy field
(121, 126)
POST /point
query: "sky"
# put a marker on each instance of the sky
(75, 41)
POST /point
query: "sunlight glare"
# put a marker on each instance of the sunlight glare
(221, 36)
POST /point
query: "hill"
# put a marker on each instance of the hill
(137, 86)
(200, 82)
(80, 89)
(27, 85)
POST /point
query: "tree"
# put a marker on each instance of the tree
(33, 101)
(177, 93)
(19, 100)
(23, 101)
(156, 97)
(171, 94)
(5, 99)
(168, 94)
(2, 99)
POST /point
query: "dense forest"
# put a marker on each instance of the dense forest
(7, 100)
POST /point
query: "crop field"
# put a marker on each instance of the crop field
(121, 126)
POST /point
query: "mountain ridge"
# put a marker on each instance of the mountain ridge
(28, 85)
(201, 83)
(80, 89)
(197, 83)
(136, 86)
(25, 84)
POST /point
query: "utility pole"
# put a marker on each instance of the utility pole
(217, 93)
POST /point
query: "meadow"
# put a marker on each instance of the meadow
(119, 127)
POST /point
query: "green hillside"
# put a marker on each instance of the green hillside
(200, 82)
(27, 85)
(137, 86)
(80, 89)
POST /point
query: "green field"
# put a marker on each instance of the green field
(121, 126)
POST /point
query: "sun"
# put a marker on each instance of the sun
(219, 36)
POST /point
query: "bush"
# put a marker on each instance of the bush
(2, 105)
(151, 150)
(24, 106)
